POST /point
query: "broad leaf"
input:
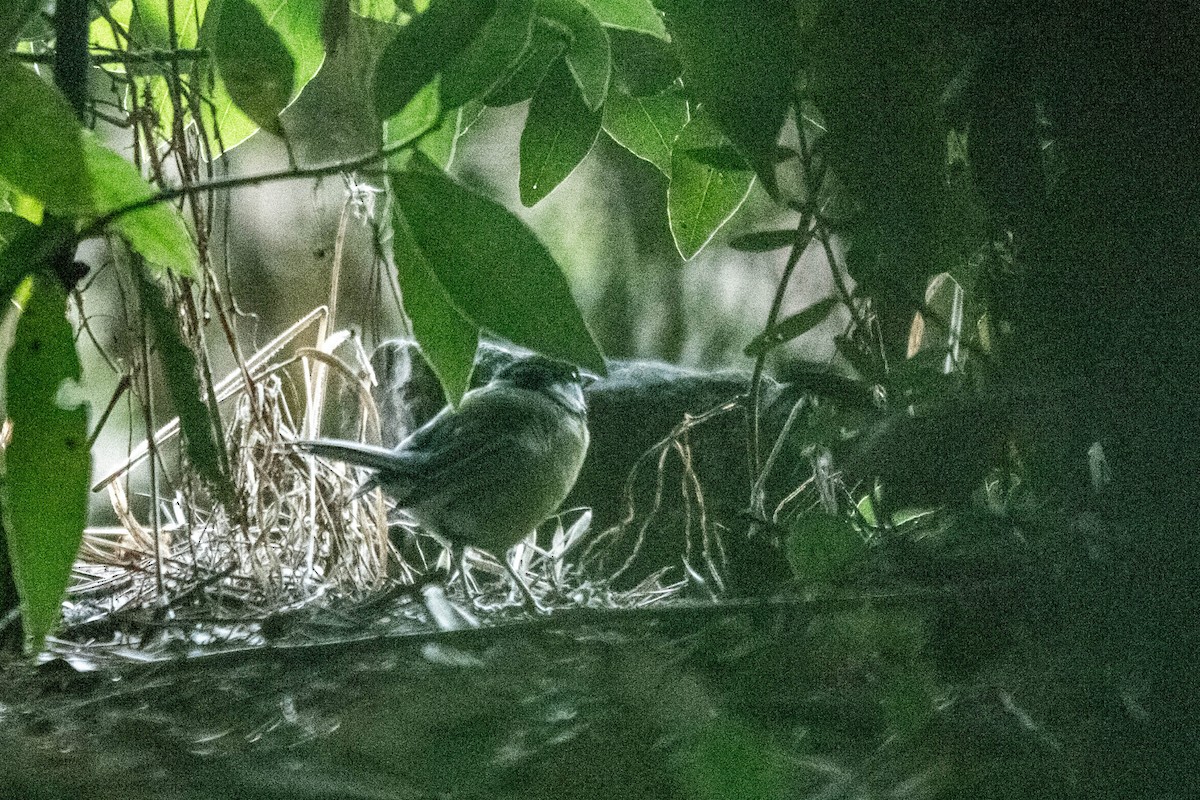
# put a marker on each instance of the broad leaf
(298, 25)
(559, 132)
(200, 424)
(447, 338)
(492, 57)
(796, 325)
(254, 63)
(740, 60)
(642, 65)
(420, 117)
(41, 147)
(31, 248)
(47, 464)
(646, 126)
(13, 16)
(701, 198)
(494, 269)
(424, 47)
(545, 47)
(589, 54)
(157, 232)
(438, 143)
(12, 226)
(631, 15)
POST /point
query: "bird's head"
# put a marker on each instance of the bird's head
(558, 380)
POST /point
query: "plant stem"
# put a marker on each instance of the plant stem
(292, 173)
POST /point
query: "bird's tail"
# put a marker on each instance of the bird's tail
(360, 455)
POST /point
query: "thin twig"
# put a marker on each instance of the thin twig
(297, 173)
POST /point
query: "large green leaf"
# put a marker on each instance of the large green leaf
(493, 268)
(559, 132)
(419, 117)
(740, 62)
(545, 47)
(41, 148)
(254, 63)
(31, 248)
(13, 16)
(646, 126)
(702, 197)
(197, 421)
(447, 338)
(45, 153)
(158, 232)
(424, 47)
(47, 464)
(589, 54)
(298, 25)
(11, 226)
(631, 15)
(436, 134)
(492, 57)
(642, 65)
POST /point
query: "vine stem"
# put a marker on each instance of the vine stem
(803, 236)
(291, 173)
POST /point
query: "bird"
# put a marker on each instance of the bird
(487, 473)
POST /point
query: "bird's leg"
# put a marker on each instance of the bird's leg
(530, 600)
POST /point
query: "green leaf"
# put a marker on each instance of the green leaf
(796, 325)
(47, 464)
(439, 143)
(642, 65)
(420, 117)
(12, 226)
(823, 549)
(721, 157)
(298, 26)
(41, 148)
(13, 16)
(447, 338)
(559, 132)
(494, 269)
(200, 425)
(31, 248)
(589, 54)
(254, 63)
(630, 15)
(646, 126)
(545, 47)
(424, 47)
(763, 241)
(158, 232)
(492, 57)
(740, 61)
(701, 198)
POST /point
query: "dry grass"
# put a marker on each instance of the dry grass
(299, 541)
